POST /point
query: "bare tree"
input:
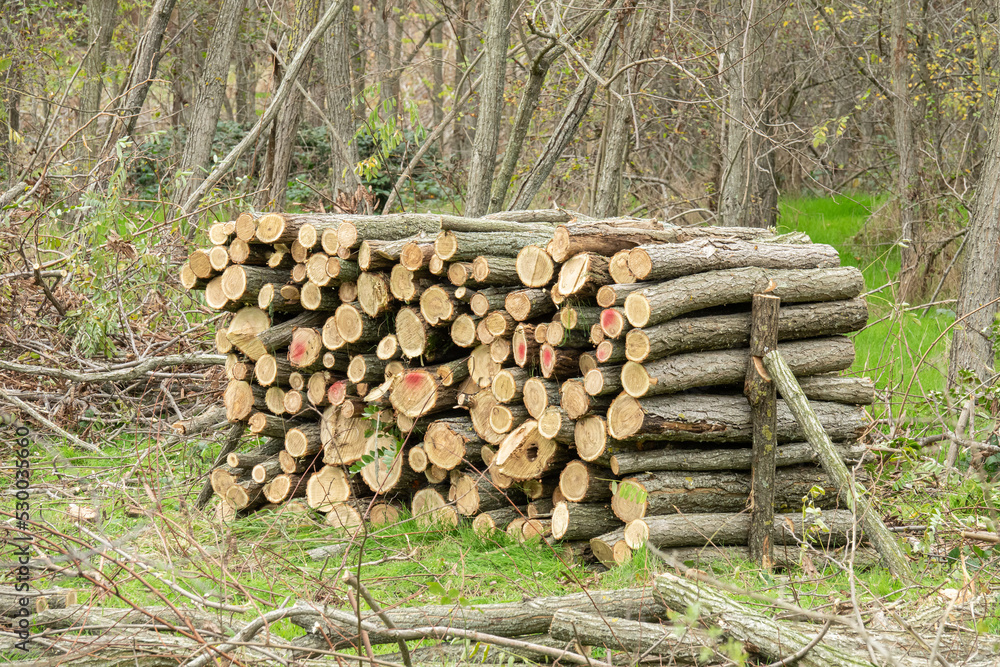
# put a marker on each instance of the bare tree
(906, 172)
(102, 18)
(747, 194)
(281, 144)
(576, 108)
(339, 99)
(246, 82)
(607, 194)
(484, 150)
(209, 97)
(972, 345)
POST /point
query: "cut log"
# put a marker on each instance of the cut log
(270, 370)
(665, 492)
(535, 267)
(526, 304)
(488, 523)
(436, 266)
(285, 487)
(722, 367)
(609, 352)
(719, 332)
(340, 271)
(189, 280)
(538, 394)
(526, 349)
(284, 227)
(266, 471)
(200, 264)
(386, 474)
(247, 323)
(489, 299)
(417, 339)
(366, 368)
(218, 258)
(852, 390)
(773, 639)
(430, 510)
(593, 443)
(270, 426)
(582, 521)
(558, 335)
(604, 380)
(438, 305)
(415, 255)
(376, 254)
(215, 297)
(274, 298)
(582, 274)
(436, 474)
(242, 284)
(810, 418)
(303, 440)
(692, 646)
(459, 273)
(697, 459)
(245, 495)
(273, 338)
(466, 246)
(274, 399)
(558, 363)
(354, 326)
(331, 336)
(305, 352)
(482, 368)
(500, 350)
(311, 233)
(508, 384)
(669, 299)
(454, 372)
(487, 270)
(317, 388)
(388, 348)
(280, 257)
(716, 418)
(386, 227)
(525, 454)
(241, 398)
(299, 274)
(480, 408)
(536, 489)
(241, 252)
(580, 481)
(420, 392)
(294, 402)
(610, 549)
(503, 418)
(348, 292)
(416, 458)
(328, 486)
(463, 330)
(374, 296)
(291, 465)
(407, 286)
(618, 268)
(345, 518)
(298, 252)
(259, 454)
(220, 233)
(614, 323)
(668, 261)
(474, 493)
(555, 424)
(314, 297)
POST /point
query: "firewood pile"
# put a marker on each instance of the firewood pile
(535, 372)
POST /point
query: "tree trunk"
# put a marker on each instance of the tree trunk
(906, 171)
(246, 83)
(208, 99)
(573, 115)
(339, 101)
(271, 193)
(616, 128)
(748, 195)
(490, 111)
(972, 342)
(763, 399)
(101, 22)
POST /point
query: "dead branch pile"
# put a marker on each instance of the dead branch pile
(538, 373)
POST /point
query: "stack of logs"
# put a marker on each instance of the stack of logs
(538, 372)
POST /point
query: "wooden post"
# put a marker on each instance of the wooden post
(763, 398)
(873, 527)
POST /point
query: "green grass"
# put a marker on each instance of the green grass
(900, 349)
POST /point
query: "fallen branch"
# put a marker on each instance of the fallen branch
(35, 414)
(139, 369)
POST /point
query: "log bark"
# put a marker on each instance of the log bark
(474, 493)
(270, 426)
(763, 400)
(486, 300)
(855, 496)
(663, 492)
(693, 646)
(580, 481)
(690, 459)
(250, 458)
(672, 298)
(449, 442)
(420, 392)
(717, 418)
(669, 261)
(582, 521)
(466, 246)
(773, 639)
(717, 332)
(727, 367)
(386, 227)
(539, 394)
(528, 304)
(255, 344)
(488, 523)
(488, 270)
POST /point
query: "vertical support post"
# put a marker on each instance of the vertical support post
(761, 394)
